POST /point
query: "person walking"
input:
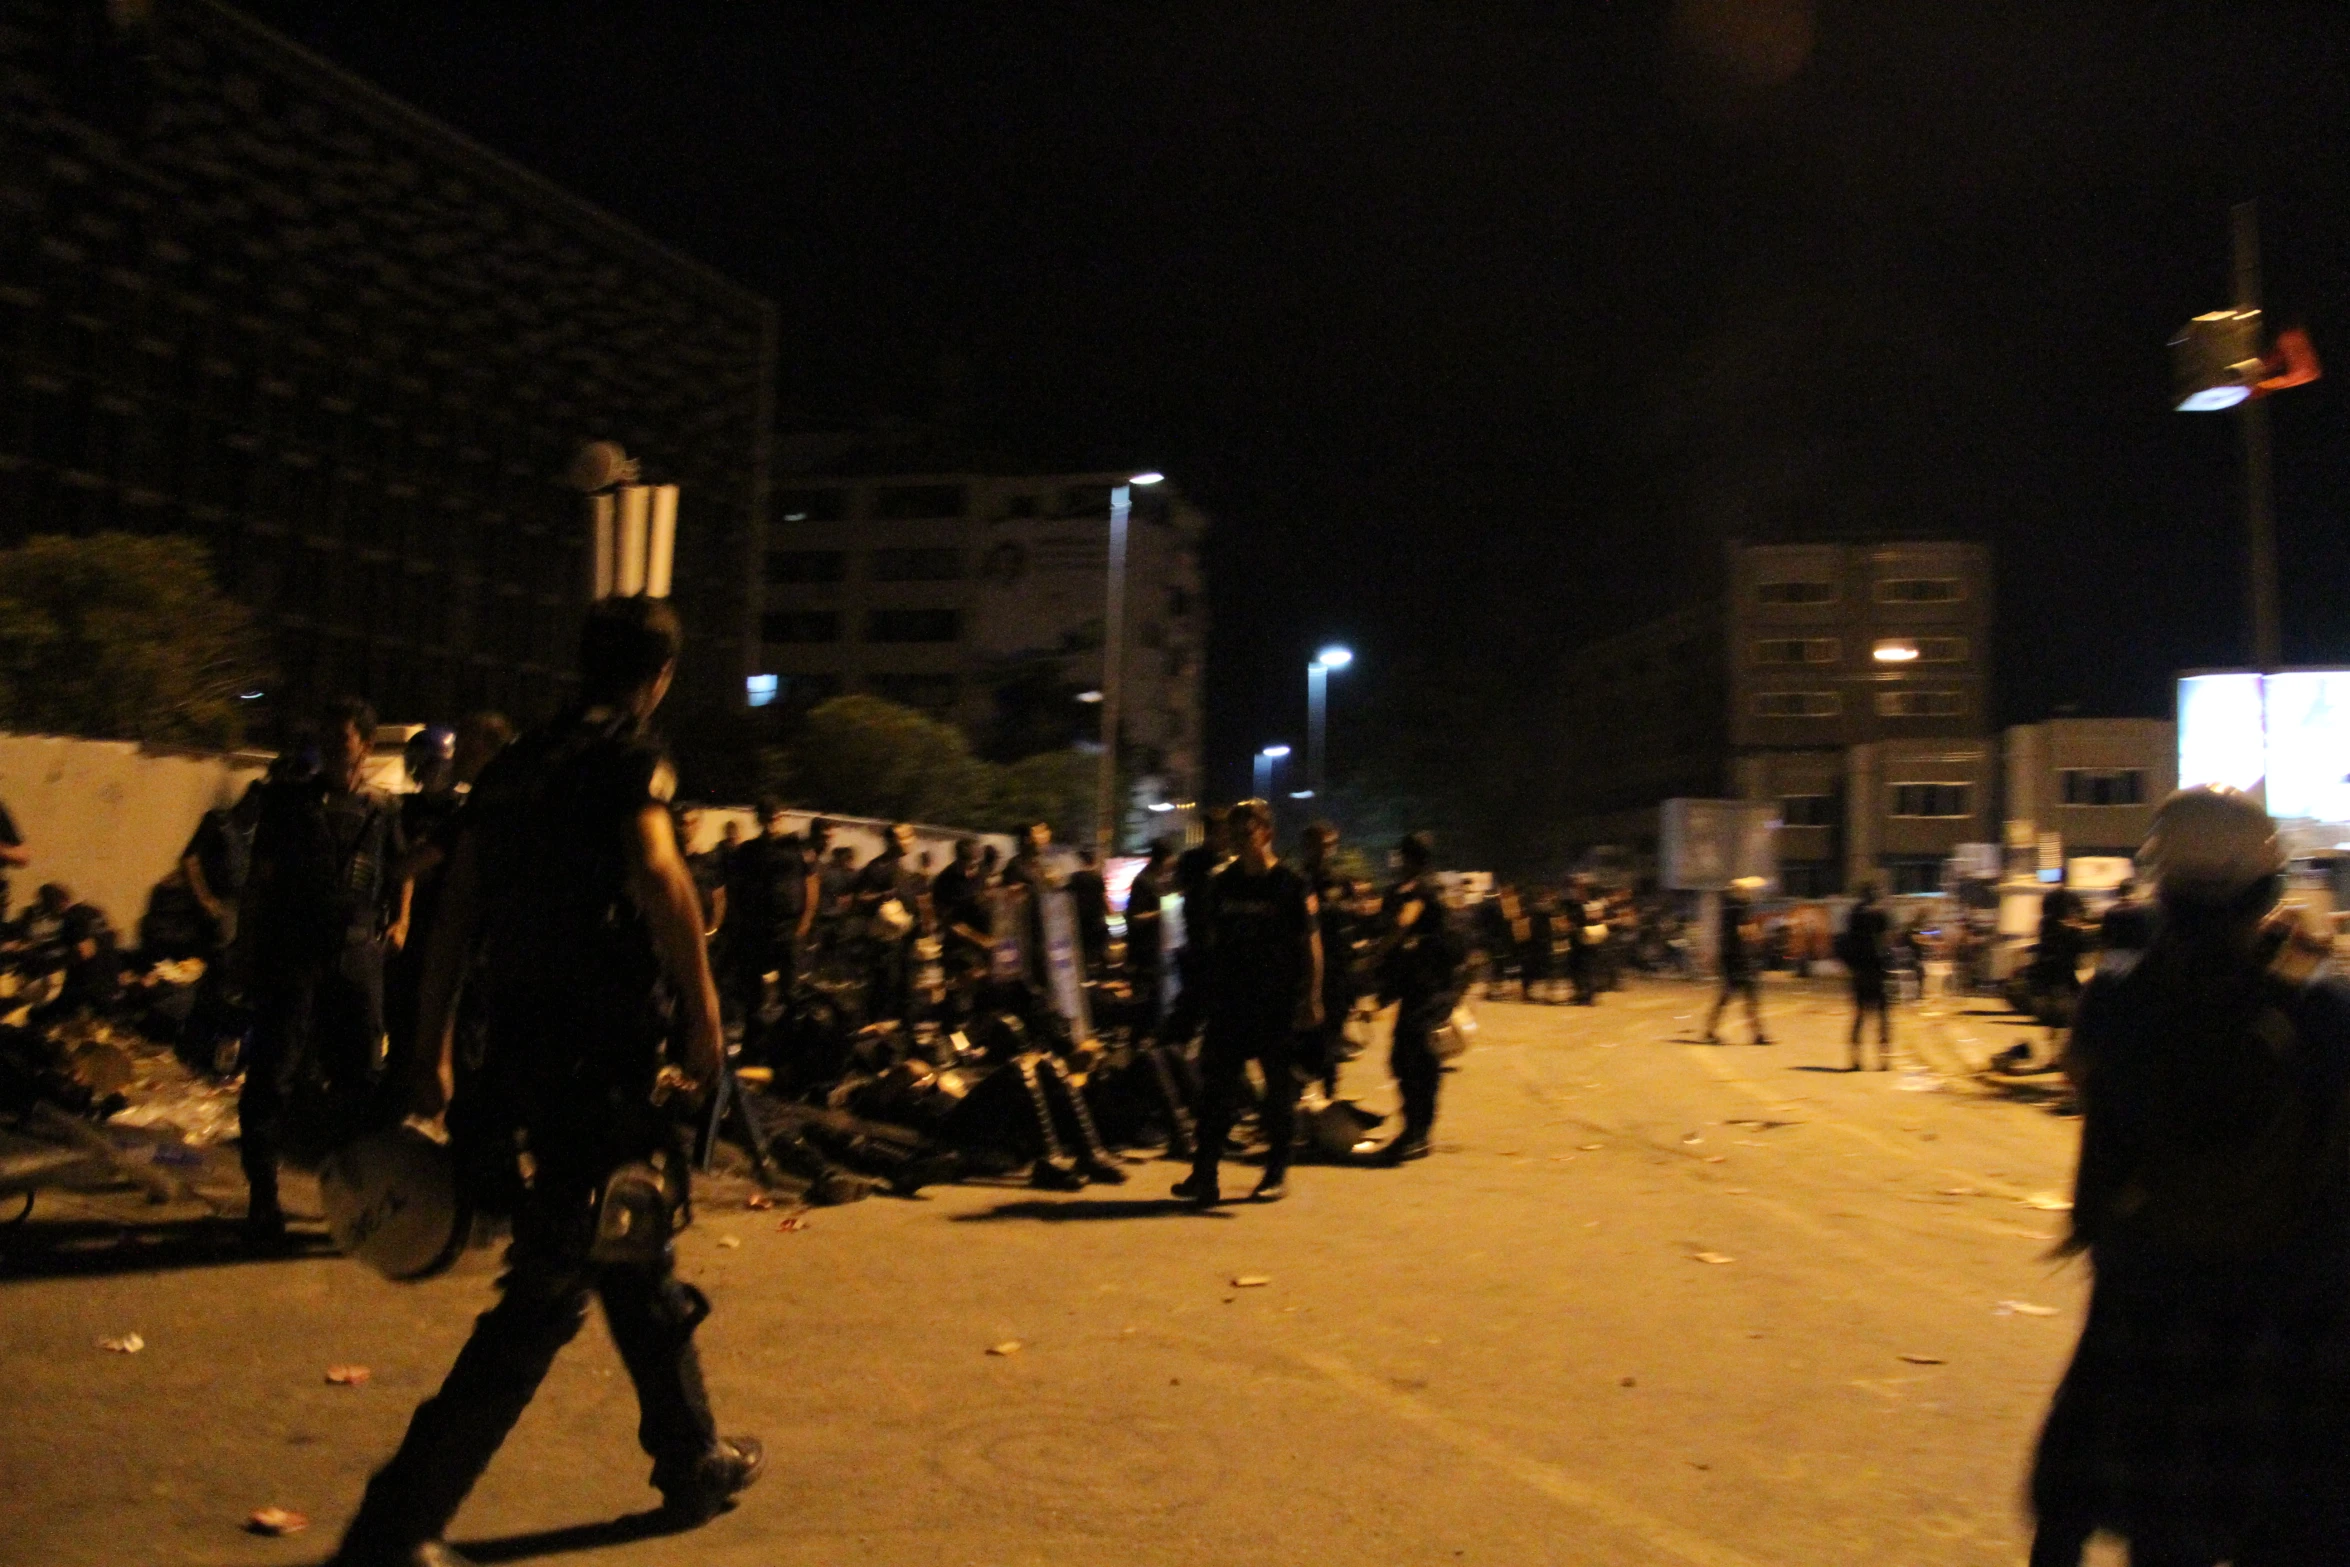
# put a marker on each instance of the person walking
(1322, 1049)
(1862, 948)
(568, 889)
(1418, 961)
(1738, 936)
(2205, 1416)
(1264, 988)
(321, 900)
(1146, 934)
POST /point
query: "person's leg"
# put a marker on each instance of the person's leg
(2059, 1541)
(1417, 1071)
(454, 1434)
(1221, 1065)
(1278, 1117)
(1884, 1032)
(652, 1318)
(280, 1016)
(1713, 1016)
(1753, 989)
(1860, 1010)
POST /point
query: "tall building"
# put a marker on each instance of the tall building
(979, 596)
(246, 297)
(1849, 682)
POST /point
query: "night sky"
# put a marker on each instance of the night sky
(1478, 327)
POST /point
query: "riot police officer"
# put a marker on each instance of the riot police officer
(568, 887)
(1418, 961)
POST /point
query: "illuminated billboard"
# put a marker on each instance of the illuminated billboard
(2287, 733)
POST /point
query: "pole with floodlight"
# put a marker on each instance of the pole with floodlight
(1267, 760)
(1318, 714)
(1105, 819)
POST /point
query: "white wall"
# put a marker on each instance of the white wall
(107, 817)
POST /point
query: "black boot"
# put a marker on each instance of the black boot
(732, 1466)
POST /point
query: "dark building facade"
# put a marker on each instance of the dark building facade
(246, 297)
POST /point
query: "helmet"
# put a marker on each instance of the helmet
(2211, 844)
(391, 1201)
(428, 753)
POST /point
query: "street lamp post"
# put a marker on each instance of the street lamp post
(1267, 760)
(1318, 714)
(1105, 820)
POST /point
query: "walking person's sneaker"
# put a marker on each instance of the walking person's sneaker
(1198, 1189)
(1050, 1175)
(1101, 1172)
(1272, 1188)
(732, 1466)
(1407, 1147)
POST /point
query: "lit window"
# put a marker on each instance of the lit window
(1920, 650)
(1931, 799)
(759, 690)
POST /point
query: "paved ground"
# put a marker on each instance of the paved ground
(1653, 1302)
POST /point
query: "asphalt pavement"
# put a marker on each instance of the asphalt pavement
(1651, 1302)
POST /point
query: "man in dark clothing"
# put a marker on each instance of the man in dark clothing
(1146, 933)
(2129, 922)
(1321, 1050)
(1264, 983)
(1737, 959)
(958, 901)
(1195, 882)
(891, 902)
(1585, 914)
(568, 885)
(770, 907)
(1089, 896)
(833, 873)
(1862, 947)
(1418, 961)
(13, 855)
(319, 903)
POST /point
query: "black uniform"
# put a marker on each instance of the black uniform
(1738, 976)
(1089, 899)
(1321, 1049)
(1421, 973)
(314, 922)
(889, 877)
(1195, 880)
(1146, 935)
(1863, 953)
(766, 895)
(577, 1013)
(1259, 968)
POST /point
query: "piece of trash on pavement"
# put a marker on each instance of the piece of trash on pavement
(1956, 1191)
(1628, 1382)
(276, 1521)
(2022, 1308)
(1925, 1360)
(1717, 1158)
(1694, 1137)
(2049, 1202)
(1710, 1256)
(1918, 1083)
(128, 1344)
(757, 1201)
(730, 1241)
(1592, 1147)
(1250, 1281)
(797, 1221)
(1010, 1346)
(348, 1376)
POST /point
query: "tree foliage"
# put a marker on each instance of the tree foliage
(124, 637)
(862, 756)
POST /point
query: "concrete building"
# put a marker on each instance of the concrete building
(2094, 782)
(1817, 674)
(246, 297)
(979, 596)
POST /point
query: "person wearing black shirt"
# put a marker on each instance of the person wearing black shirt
(1321, 1050)
(1418, 961)
(770, 907)
(892, 902)
(958, 900)
(1089, 896)
(1737, 959)
(1146, 933)
(569, 905)
(1195, 883)
(1863, 952)
(2129, 923)
(320, 900)
(1264, 984)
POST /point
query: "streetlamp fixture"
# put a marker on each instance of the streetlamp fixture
(1266, 760)
(1318, 714)
(1105, 829)
(2220, 364)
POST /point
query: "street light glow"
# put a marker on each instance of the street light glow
(1089, 696)
(1896, 652)
(1276, 752)
(1152, 477)
(1335, 657)
(2213, 399)
(1162, 806)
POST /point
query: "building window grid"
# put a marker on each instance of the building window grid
(1921, 704)
(1798, 704)
(1932, 800)
(1929, 650)
(1808, 810)
(1798, 650)
(913, 625)
(2104, 785)
(917, 564)
(1920, 590)
(1807, 591)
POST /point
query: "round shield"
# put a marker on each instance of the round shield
(391, 1201)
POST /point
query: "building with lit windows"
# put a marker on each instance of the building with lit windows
(978, 595)
(246, 297)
